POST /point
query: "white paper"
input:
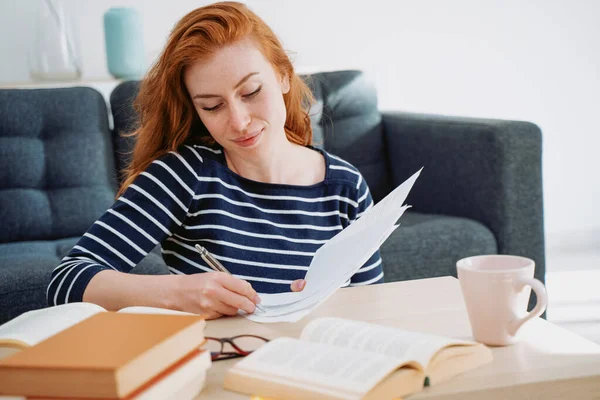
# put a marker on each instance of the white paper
(338, 260)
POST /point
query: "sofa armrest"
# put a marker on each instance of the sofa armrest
(482, 169)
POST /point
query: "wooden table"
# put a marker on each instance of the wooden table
(548, 363)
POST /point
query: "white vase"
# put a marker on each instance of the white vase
(53, 55)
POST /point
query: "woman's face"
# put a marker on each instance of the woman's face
(239, 98)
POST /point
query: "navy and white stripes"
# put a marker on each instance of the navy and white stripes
(264, 233)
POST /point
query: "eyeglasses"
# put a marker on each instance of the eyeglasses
(241, 344)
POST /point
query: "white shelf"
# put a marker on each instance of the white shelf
(104, 86)
(54, 84)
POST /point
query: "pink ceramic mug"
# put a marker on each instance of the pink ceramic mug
(496, 290)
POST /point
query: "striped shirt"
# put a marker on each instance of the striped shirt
(264, 233)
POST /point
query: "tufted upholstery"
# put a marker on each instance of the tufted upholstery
(55, 147)
(56, 178)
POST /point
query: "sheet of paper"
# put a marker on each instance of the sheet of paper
(338, 260)
(326, 280)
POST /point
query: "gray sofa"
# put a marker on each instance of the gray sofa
(479, 193)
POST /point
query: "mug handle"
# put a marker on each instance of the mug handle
(540, 305)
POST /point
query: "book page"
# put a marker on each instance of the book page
(304, 363)
(378, 339)
(151, 310)
(34, 326)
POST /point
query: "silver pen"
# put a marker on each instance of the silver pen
(216, 265)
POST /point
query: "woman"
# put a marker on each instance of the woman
(222, 159)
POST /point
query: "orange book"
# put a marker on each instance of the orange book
(182, 381)
(106, 356)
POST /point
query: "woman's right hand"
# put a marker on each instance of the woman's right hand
(214, 294)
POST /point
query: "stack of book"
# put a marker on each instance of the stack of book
(103, 355)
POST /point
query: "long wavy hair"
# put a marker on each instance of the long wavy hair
(166, 115)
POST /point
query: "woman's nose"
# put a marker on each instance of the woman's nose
(239, 117)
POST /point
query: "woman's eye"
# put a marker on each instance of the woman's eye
(215, 108)
(246, 96)
(250, 95)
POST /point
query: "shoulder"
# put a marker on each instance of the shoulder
(203, 152)
(341, 170)
(188, 158)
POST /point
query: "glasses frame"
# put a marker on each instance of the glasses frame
(227, 355)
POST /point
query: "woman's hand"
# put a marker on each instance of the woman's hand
(215, 294)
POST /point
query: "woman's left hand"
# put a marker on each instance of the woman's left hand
(298, 285)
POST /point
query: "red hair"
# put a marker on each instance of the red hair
(167, 117)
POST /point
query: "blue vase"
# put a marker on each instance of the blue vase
(123, 34)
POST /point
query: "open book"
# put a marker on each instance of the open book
(32, 327)
(343, 359)
(338, 259)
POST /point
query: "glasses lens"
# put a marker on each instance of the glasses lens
(248, 343)
(212, 345)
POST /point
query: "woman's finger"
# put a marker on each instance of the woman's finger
(223, 308)
(298, 285)
(239, 286)
(234, 300)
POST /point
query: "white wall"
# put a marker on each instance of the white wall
(535, 60)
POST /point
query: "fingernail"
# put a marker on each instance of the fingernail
(256, 299)
(302, 284)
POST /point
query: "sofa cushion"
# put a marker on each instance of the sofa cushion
(427, 245)
(347, 117)
(25, 269)
(56, 162)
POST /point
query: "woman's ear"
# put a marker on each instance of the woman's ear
(285, 84)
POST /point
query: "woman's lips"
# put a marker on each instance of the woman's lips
(249, 140)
